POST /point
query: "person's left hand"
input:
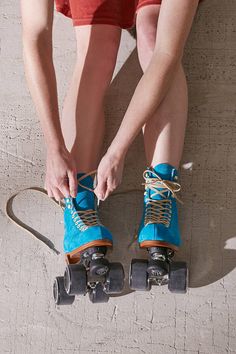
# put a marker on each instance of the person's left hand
(109, 175)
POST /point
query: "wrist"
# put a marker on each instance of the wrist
(116, 152)
(56, 148)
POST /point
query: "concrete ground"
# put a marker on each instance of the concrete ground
(203, 320)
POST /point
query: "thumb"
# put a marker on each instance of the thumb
(73, 184)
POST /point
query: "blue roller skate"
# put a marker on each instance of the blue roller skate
(159, 233)
(85, 245)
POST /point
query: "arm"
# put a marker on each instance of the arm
(41, 79)
(174, 24)
(173, 27)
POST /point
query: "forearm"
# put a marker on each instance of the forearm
(148, 95)
(41, 78)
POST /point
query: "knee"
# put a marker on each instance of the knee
(146, 37)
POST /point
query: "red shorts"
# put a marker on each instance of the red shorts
(120, 13)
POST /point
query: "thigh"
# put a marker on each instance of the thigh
(98, 42)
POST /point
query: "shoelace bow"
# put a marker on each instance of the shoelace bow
(159, 210)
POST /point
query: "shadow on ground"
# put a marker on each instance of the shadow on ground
(207, 216)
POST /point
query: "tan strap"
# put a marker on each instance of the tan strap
(11, 216)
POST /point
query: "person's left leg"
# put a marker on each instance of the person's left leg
(163, 138)
(164, 132)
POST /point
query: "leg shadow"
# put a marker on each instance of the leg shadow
(208, 175)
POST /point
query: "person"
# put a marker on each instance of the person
(159, 106)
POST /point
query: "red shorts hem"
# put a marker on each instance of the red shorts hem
(100, 21)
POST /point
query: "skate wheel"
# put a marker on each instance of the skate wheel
(59, 293)
(75, 279)
(138, 276)
(98, 267)
(115, 279)
(178, 277)
(98, 295)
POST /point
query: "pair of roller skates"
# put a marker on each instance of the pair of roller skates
(86, 241)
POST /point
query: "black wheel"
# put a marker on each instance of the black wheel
(138, 276)
(98, 295)
(75, 279)
(59, 293)
(98, 267)
(178, 277)
(115, 279)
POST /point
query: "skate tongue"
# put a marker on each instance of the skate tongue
(85, 198)
(165, 172)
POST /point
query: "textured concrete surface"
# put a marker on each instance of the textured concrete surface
(204, 320)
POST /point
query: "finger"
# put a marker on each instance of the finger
(111, 184)
(64, 189)
(108, 192)
(101, 188)
(57, 194)
(73, 184)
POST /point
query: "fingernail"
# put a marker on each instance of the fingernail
(73, 194)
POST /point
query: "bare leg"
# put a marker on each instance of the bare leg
(164, 132)
(83, 115)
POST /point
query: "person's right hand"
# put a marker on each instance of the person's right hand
(61, 175)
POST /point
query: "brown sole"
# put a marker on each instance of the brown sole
(148, 244)
(74, 256)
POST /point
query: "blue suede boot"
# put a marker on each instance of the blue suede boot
(83, 228)
(159, 234)
(85, 245)
(159, 225)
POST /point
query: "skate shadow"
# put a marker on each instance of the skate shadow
(209, 246)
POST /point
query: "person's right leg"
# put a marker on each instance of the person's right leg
(83, 114)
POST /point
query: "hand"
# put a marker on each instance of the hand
(61, 176)
(109, 175)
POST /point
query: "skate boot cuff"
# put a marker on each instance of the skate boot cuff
(165, 171)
